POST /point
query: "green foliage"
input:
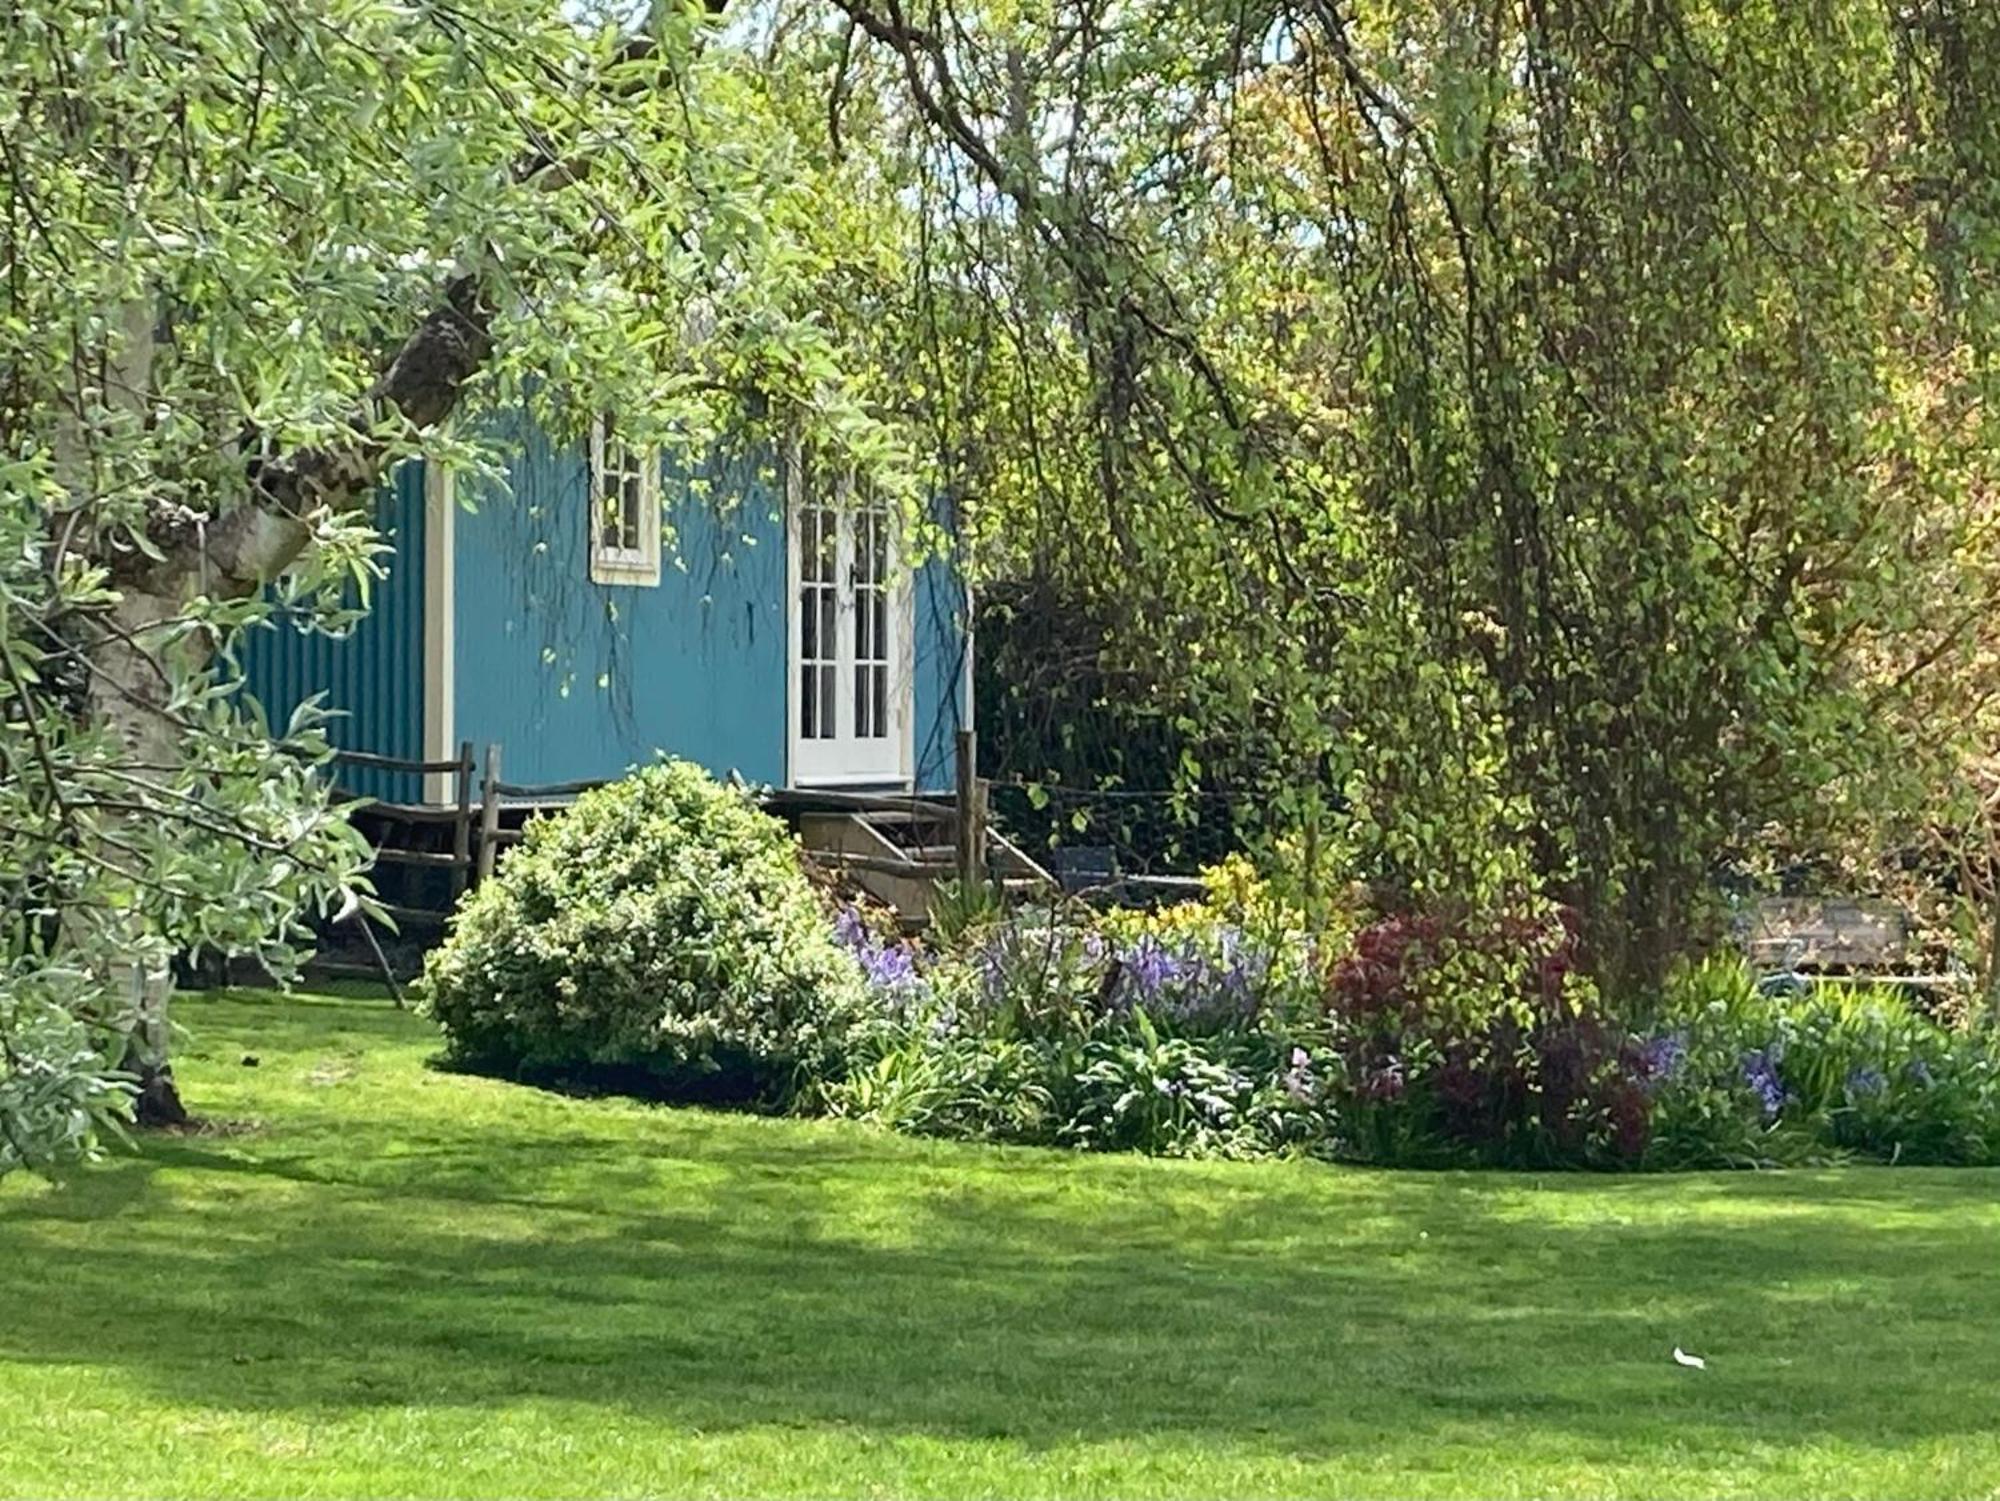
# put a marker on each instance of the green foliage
(60, 1082)
(1185, 1097)
(1562, 438)
(960, 910)
(946, 1082)
(661, 930)
(257, 254)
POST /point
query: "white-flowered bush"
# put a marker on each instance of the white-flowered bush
(660, 934)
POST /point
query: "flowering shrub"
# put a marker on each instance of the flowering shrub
(1484, 1044)
(659, 934)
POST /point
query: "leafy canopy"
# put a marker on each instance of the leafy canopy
(1560, 436)
(252, 256)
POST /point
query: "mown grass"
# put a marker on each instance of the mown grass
(407, 1282)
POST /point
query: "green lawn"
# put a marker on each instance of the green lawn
(403, 1282)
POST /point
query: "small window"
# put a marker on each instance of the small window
(624, 509)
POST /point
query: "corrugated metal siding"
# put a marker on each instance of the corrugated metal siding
(375, 674)
(941, 643)
(576, 679)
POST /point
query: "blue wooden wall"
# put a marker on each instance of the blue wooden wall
(375, 674)
(943, 638)
(577, 679)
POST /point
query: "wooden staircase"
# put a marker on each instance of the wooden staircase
(897, 848)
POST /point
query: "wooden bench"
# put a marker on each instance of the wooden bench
(1796, 942)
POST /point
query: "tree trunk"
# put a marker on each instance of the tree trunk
(232, 556)
(147, 1053)
(127, 692)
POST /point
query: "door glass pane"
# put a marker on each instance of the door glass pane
(845, 554)
(871, 620)
(819, 597)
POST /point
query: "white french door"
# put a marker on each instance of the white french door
(849, 698)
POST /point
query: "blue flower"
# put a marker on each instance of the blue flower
(996, 957)
(1148, 967)
(1761, 1074)
(1918, 1072)
(892, 968)
(850, 930)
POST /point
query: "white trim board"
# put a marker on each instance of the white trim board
(639, 566)
(440, 677)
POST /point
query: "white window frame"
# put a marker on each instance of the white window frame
(844, 759)
(611, 564)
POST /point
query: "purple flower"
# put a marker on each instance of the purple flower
(1148, 967)
(1761, 1074)
(993, 960)
(892, 968)
(850, 930)
(1184, 984)
(1660, 1059)
(1243, 970)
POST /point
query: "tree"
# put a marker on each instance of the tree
(1568, 424)
(253, 256)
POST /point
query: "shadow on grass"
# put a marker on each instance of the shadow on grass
(716, 1272)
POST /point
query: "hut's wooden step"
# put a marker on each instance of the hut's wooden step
(905, 876)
